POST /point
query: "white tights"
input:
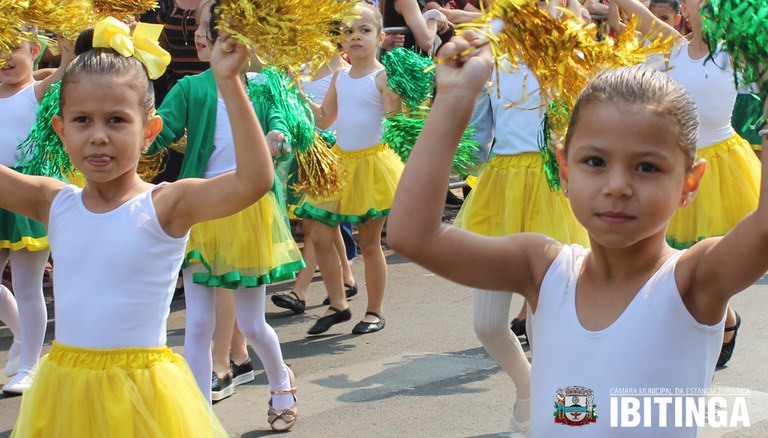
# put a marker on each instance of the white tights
(491, 322)
(9, 315)
(27, 268)
(249, 312)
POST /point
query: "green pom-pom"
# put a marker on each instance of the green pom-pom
(401, 133)
(406, 75)
(329, 137)
(278, 89)
(742, 27)
(42, 153)
(555, 120)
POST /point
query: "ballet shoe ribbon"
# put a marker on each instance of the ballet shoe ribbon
(111, 33)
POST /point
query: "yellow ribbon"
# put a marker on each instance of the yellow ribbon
(112, 33)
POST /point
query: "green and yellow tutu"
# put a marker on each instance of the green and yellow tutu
(511, 195)
(728, 191)
(132, 392)
(373, 175)
(20, 232)
(248, 249)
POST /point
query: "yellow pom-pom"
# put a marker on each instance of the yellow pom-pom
(563, 55)
(285, 33)
(122, 8)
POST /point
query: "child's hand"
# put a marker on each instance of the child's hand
(67, 49)
(228, 57)
(277, 144)
(463, 65)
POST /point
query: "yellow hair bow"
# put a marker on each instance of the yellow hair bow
(112, 33)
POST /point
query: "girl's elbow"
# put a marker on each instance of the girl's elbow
(398, 239)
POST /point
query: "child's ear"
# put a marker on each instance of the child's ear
(57, 123)
(36, 47)
(154, 126)
(692, 180)
(382, 37)
(560, 153)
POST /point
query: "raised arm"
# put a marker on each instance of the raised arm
(648, 24)
(721, 267)
(67, 55)
(455, 16)
(511, 263)
(190, 201)
(423, 31)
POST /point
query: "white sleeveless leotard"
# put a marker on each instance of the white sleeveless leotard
(115, 272)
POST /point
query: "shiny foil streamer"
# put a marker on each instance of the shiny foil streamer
(286, 33)
(562, 54)
(319, 171)
(122, 8)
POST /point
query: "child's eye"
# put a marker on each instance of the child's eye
(647, 167)
(594, 162)
(80, 119)
(115, 119)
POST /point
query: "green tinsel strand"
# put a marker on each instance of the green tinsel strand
(42, 153)
(329, 137)
(742, 26)
(278, 89)
(406, 76)
(401, 133)
(548, 158)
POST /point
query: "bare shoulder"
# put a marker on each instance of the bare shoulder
(169, 206)
(381, 80)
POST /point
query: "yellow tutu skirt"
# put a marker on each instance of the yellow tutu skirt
(373, 175)
(132, 392)
(511, 195)
(728, 191)
(248, 249)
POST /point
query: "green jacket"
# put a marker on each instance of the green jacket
(192, 104)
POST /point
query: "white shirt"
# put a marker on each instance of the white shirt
(115, 272)
(712, 86)
(360, 110)
(18, 115)
(654, 343)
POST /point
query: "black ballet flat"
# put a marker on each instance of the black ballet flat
(289, 301)
(350, 290)
(323, 324)
(363, 327)
(726, 351)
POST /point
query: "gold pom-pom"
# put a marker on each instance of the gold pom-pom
(151, 165)
(563, 55)
(286, 33)
(122, 8)
(319, 171)
(62, 18)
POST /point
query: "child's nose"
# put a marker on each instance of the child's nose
(99, 136)
(619, 184)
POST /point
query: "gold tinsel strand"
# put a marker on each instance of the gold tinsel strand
(151, 165)
(122, 8)
(563, 55)
(319, 172)
(62, 18)
(286, 33)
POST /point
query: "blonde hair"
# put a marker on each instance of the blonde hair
(651, 89)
